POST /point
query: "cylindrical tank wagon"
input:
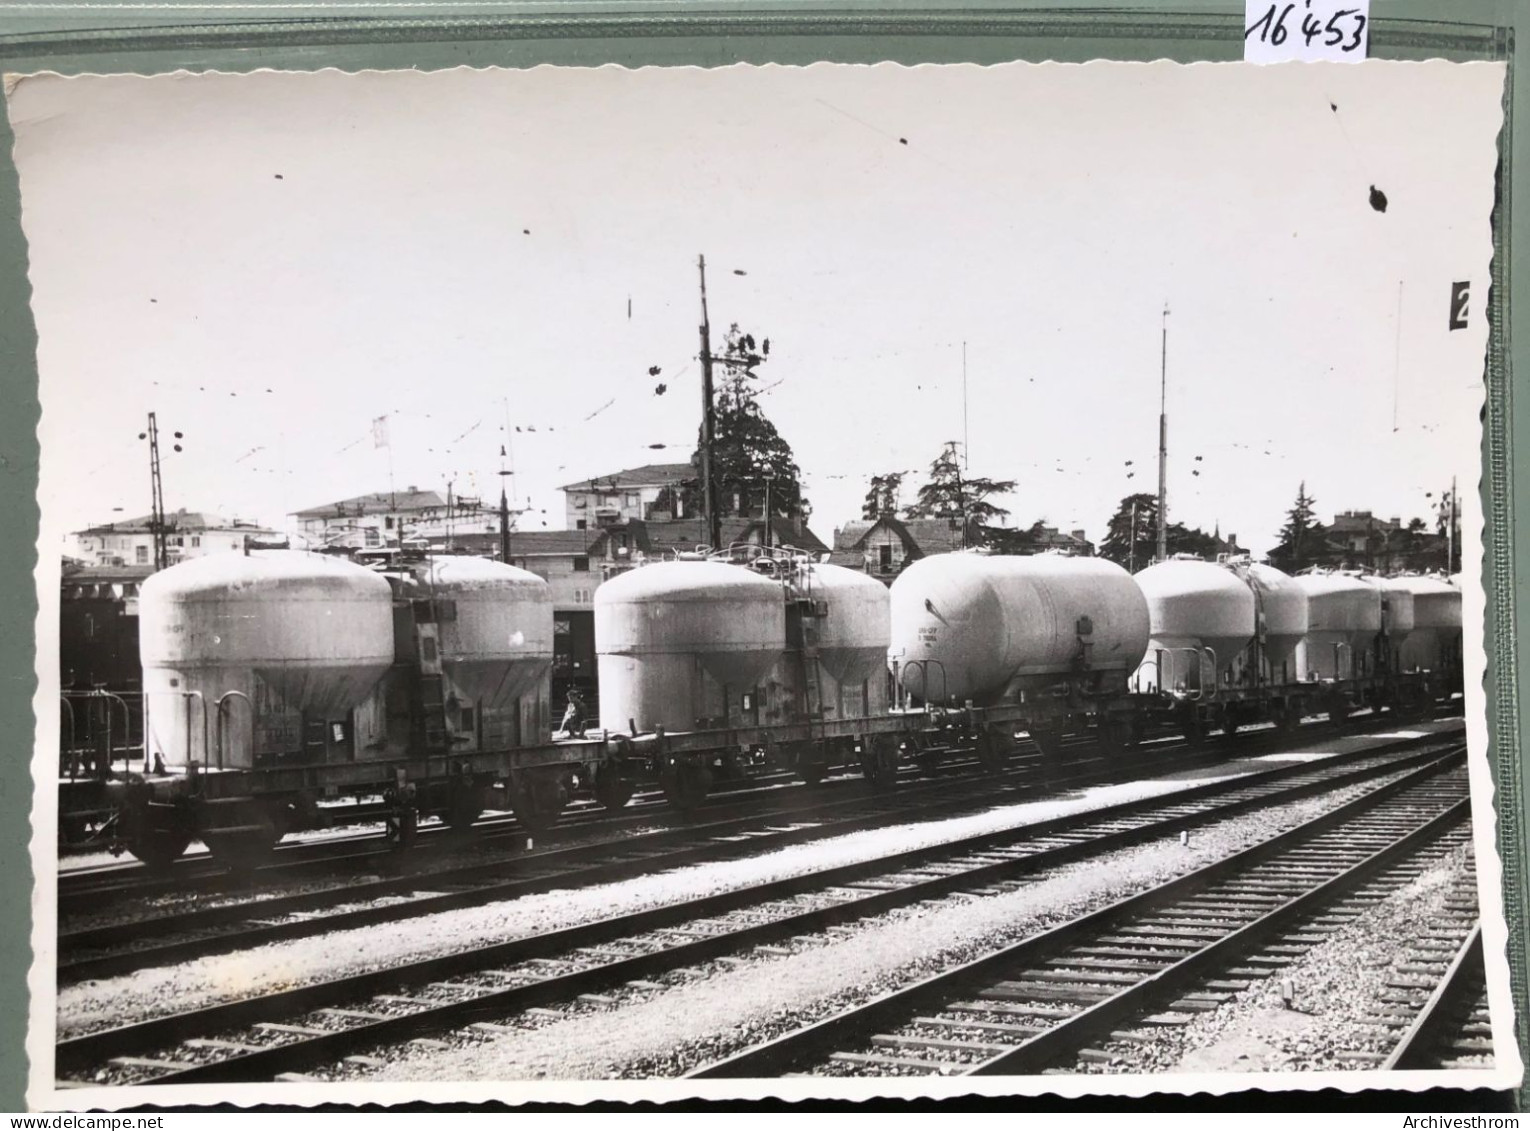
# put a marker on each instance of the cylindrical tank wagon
(773, 640)
(1059, 635)
(267, 671)
(1224, 638)
(1434, 644)
(252, 662)
(278, 678)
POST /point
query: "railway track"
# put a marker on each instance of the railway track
(1451, 1028)
(1157, 958)
(302, 1029)
(116, 948)
(88, 889)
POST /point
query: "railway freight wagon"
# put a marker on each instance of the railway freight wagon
(1044, 644)
(724, 668)
(1235, 643)
(277, 678)
(1434, 645)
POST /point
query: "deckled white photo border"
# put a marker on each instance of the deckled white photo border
(43, 1095)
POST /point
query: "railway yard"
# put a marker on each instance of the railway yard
(1283, 899)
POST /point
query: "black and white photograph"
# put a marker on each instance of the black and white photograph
(832, 581)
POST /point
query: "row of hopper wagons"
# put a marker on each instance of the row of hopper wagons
(275, 680)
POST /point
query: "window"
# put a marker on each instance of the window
(143, 555)
(180, 541)
(579, 525)
(388, 522)
(884, 557)
(196, 541)
(373, 538)
(581, 565)
(632, 498)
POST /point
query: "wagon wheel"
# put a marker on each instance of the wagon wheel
(991, 754)
(158, 845)
(463, 805)
(810, 767)
(156, 835)
(246, 846)
(611, 789)
(536, 800)
(879, 760)
(1136, 730)
(1114, 734)
(1048, 740)
(685, 784)
(1338, 709)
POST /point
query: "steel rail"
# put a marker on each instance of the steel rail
(590, 865)
(128, 881)
(1418, 1047)
(83, 1053)
(892, 1009)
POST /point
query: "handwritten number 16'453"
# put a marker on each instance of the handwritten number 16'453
(1271, 27)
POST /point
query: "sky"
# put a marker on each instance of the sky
(272, 262)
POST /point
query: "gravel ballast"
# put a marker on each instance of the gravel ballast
(697, 1016)
(143, 994)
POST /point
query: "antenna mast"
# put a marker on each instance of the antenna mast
(1163, 441)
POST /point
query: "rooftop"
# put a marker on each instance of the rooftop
(650, 475)
(181, 520)
(526, 543)
(379, 502)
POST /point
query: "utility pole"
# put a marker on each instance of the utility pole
(708, 500)
(769, 478)
(961, 490)
(504, 510)
(1131, 551)
(156, 496)
(1163, 441)
(966, 445)
(1450, 532)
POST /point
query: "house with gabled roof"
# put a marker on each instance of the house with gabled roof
(883, 547)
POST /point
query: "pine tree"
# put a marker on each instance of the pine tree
(1131, 538)
(1301, 538)
(952, 495)
(746, 448)
(882, 499)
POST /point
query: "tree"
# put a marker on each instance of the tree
(746, 448)
(950, 494)
(1131, 538)
(882, 498)
(1301, 538)
(1447, 523)
(1017, 540)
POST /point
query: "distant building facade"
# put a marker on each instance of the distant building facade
(640, 494)
(390, 518)
(188, 534)
(884, 547)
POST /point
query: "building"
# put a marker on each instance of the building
(641, 494)
(188, 534)
(885, 546)
(1044, 538)
(1360, 540)
(388, 518)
